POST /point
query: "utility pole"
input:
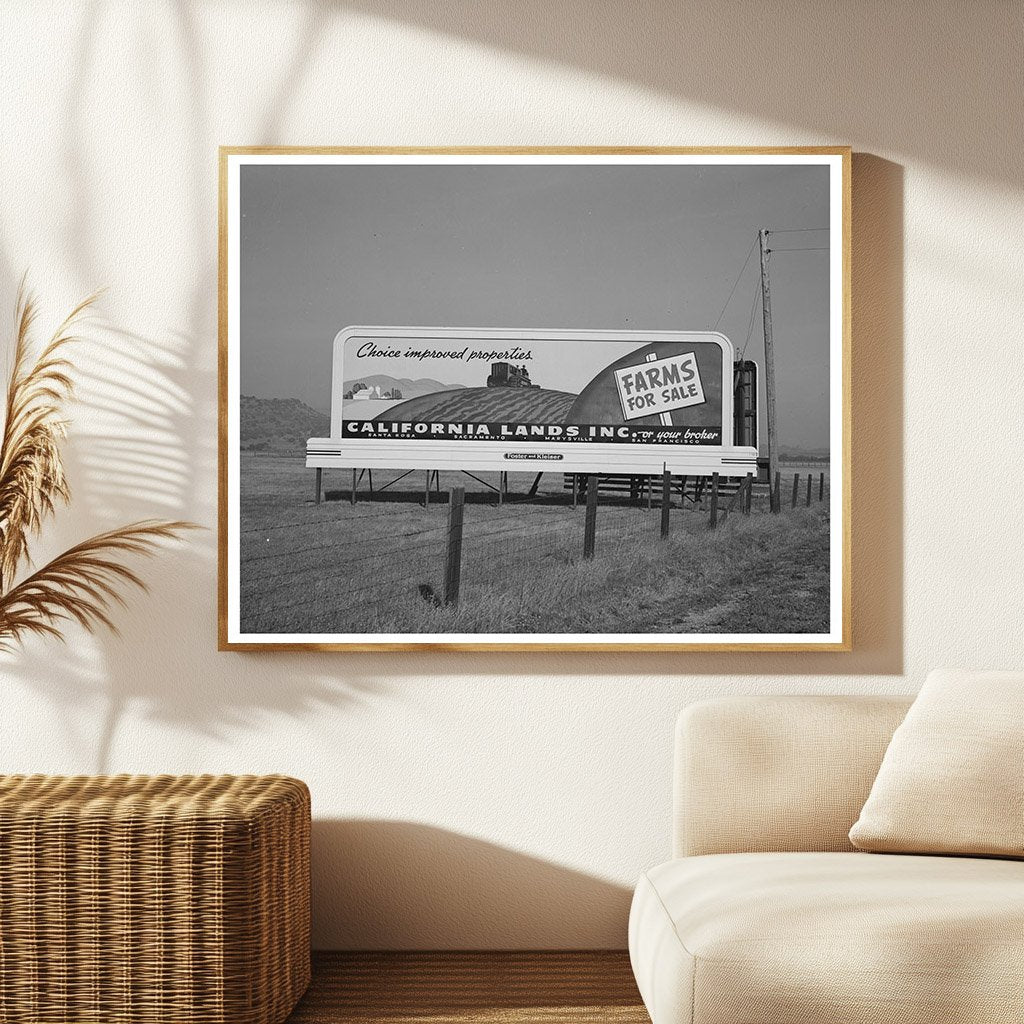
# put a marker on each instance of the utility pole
(769, 367)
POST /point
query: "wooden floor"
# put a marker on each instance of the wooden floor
(463, 988)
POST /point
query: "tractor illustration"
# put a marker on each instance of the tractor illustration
(508, 375)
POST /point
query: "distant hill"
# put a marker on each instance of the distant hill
(409, 388)
(794, 453)
(279, 424)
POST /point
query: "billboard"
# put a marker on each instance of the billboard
(590, 401)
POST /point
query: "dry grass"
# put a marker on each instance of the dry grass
(377, 567)
(762, 574)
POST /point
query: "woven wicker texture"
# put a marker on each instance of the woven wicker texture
(138, 899)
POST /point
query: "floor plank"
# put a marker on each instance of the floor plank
(472, 988)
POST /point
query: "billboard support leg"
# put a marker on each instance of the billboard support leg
(426, 491)
(536, 483)
(666, 502)
(354, 480)
(714, 500)
(319, 481)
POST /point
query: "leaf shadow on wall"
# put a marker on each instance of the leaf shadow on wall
(149, 448)
(146, 446)
(405, 885)
(924, 80)
(137, 455)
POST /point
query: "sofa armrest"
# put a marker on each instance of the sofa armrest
(759, 774)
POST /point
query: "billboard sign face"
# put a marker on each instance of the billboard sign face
(613, 401)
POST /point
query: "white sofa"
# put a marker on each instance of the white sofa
(767, 914)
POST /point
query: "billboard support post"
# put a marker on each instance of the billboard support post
(714, 500)
(319, 482)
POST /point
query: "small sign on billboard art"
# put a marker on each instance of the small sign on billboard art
(659, 386)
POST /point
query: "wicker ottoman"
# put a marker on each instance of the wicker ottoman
(131, 899)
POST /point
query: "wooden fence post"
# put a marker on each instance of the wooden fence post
(810, 481)
(319, 481)
(821, 487)
(748, 494)
(666, 502)
(776, 500)
(714, 500)
(590, 522)
(453, 546)
(796, 487)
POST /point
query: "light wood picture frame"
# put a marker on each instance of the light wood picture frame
(626, 426)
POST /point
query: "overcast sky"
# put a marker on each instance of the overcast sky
(655, 248)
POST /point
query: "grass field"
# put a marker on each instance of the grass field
(377, 566)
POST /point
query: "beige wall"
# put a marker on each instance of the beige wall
(501, 800)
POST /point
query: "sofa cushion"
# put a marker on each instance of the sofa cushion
(833, 938)
(950, 781)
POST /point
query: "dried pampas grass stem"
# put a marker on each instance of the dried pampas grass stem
(82, 584)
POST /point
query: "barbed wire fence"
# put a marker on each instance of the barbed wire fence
(301, 575)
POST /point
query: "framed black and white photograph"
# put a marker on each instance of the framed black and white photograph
(582, 399)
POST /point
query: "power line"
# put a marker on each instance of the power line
(792, 231)
(732, 290)
(808, 248)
